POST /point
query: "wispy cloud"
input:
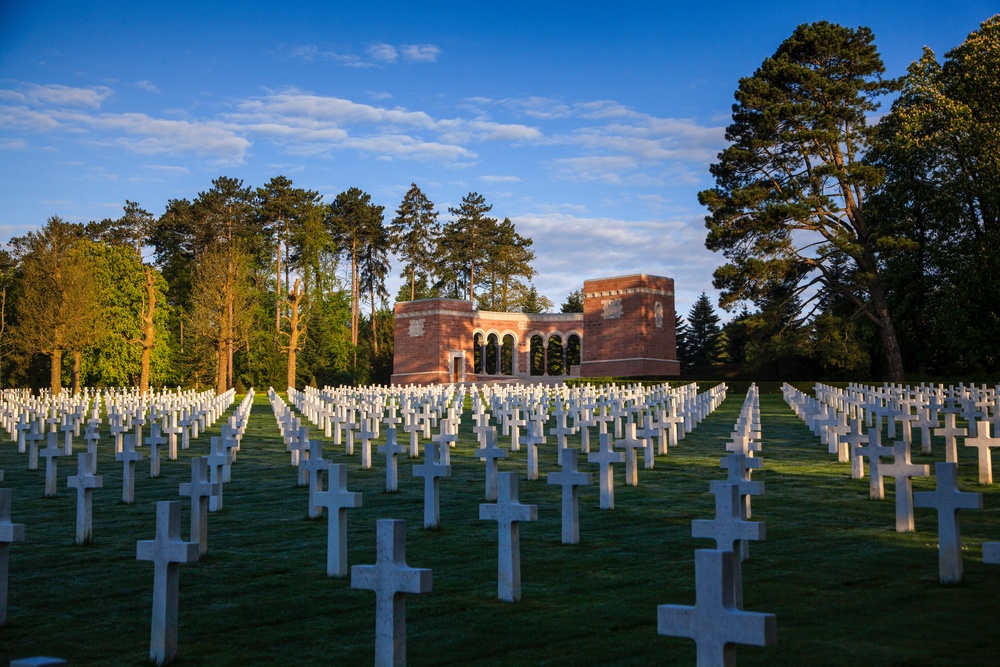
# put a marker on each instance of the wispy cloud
(383, 53)
(148, 86)
(673, 248)
(379, 54)
(34, 94)
(420, 53)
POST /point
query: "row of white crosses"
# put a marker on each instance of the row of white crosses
(167, 550)
(827, 415)
(717, 622)
(419, 409)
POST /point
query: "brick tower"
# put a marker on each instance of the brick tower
(629, 328)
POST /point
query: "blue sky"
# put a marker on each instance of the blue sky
(590, 126)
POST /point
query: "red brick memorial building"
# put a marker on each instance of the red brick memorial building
(626, 329)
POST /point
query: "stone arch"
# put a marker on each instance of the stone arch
(555, 354)
(536, 353)
(508, 353)
(574, 350)
(478, 343)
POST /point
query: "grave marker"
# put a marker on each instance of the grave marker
(570, 479)
(337, 500)
(9, 533)
(167, 552)
(508, 513)
(84, 481)
(391, 579)
(948, 500)
(716, 623)
(199, 490)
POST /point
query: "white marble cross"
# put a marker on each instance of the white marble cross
(983, 443)
(716, 623)
(631, 443)
(337, 500)
(873, 450)
(391, 579)
(129, 457)
(313, 468)
(199, 490)
(902, 470)
(167, 552)
(948, 500)
(52, 452)
(570, 479)
(490, 453)
(605, 458)
(531, 441)
(508, 512)
(391, 449)
(218, 458)
(9, 533)
(851, 442)
(84, 481)
(155, 441)
(949, 431)
(728, 527)
(432, 470)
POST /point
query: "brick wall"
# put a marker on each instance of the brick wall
(629, 328)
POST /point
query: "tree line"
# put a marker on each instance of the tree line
(856, 249)
(243, 286)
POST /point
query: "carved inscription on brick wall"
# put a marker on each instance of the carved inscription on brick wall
(416, 328)
(612, 309)
(658, 314)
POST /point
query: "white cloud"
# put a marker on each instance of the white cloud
(311, 53)
(564, 242)
(382, 52)
(34, 94)
(379, 95)
(148, 86)
(13, 144)
(421, 53)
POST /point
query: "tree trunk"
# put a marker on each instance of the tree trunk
(148, 333)
(294, 302)
(890, 343)
(374, 332)
(75, 373)
(55, 371)
(277, 294)
(220, 377)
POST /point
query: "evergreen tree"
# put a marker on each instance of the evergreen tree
(683, 342)
(793, 173)
(573, 303)
(703, 333)
(466, 241)
(414, 236)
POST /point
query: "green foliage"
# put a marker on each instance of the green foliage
(414, 236)
(573, 303)
(703, 344)
(940, 150)
(792, 175)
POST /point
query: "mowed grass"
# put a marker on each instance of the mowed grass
(846, 588)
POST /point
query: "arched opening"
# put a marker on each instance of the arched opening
(507, 355)
(492, 354)
(537, 355)
(477, 353)
(556, 361)
(572, 352)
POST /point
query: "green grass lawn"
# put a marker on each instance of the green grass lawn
(846, 588)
